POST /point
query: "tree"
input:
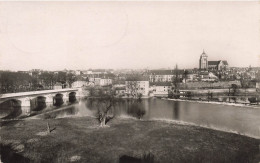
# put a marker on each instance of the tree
(170, 94)
(189, 94)
(185, 75)
(103, 103)
(132, 88)
(210, 95)
(87, 80)
(70, 78)
(233, 92)
(14, 81)
(234, 88)
(176, 81)
(47, 79)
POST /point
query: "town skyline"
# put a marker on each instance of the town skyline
(124, 35)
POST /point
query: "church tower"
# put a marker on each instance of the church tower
(203, 61)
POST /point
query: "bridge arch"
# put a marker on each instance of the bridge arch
(38, 103)
(10, 108)
(72, 97)
(58, 99)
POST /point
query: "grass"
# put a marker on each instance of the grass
(82, 140)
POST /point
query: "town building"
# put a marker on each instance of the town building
(79, 84)
(204, 64)
(217, 65)
(105, 82)
(164, 75)
(162, 90)
(101, 81)
(134, 88)
(77, 72)
(58, 86)
(120, 91)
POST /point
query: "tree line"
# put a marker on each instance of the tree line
(11, 82)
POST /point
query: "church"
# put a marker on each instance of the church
(204, 64)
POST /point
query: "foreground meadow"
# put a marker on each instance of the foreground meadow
(80, 139)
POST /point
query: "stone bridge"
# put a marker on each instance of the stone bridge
(28, 101)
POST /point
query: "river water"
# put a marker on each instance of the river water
(239, 119)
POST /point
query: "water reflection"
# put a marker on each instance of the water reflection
(244, 120)
(58, 100)
(239, 119)
(10, 109)
(176, 110)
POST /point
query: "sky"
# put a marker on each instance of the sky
(83, 35)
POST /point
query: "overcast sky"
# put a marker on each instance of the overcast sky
(81, 35)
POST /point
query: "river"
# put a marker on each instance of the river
(239, 119)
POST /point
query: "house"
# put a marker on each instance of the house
(120, 91)
(79, 84)
(164, 75)
(77, 72)
(57, 86)
(94, 80)
(162, 90)
(190, 78)
(133, 88)
(208, 76)
(105, 82)
(101, 81)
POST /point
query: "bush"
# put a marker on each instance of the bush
(252, 100)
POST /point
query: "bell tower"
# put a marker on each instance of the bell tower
(203, 62)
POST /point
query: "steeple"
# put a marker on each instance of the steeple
(203, 62)
(203, 54)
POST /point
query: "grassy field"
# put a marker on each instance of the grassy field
(82, 140)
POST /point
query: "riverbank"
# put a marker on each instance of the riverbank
(80, 139)
(214, 102)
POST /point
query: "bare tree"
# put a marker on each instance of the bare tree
(176, 81)
(103, 104)
(132, 87)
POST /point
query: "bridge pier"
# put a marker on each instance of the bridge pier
(25, 104)
(49, 99)
(65, 97)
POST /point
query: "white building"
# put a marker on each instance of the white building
(77, 72)
(161, 78)
(164, 75)
(79, 84)
(137, 87)
(101, 81)
(104, 82)
(120, 91)
(162, 90)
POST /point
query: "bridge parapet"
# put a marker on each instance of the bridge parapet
(28, 98)
(35, 93)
